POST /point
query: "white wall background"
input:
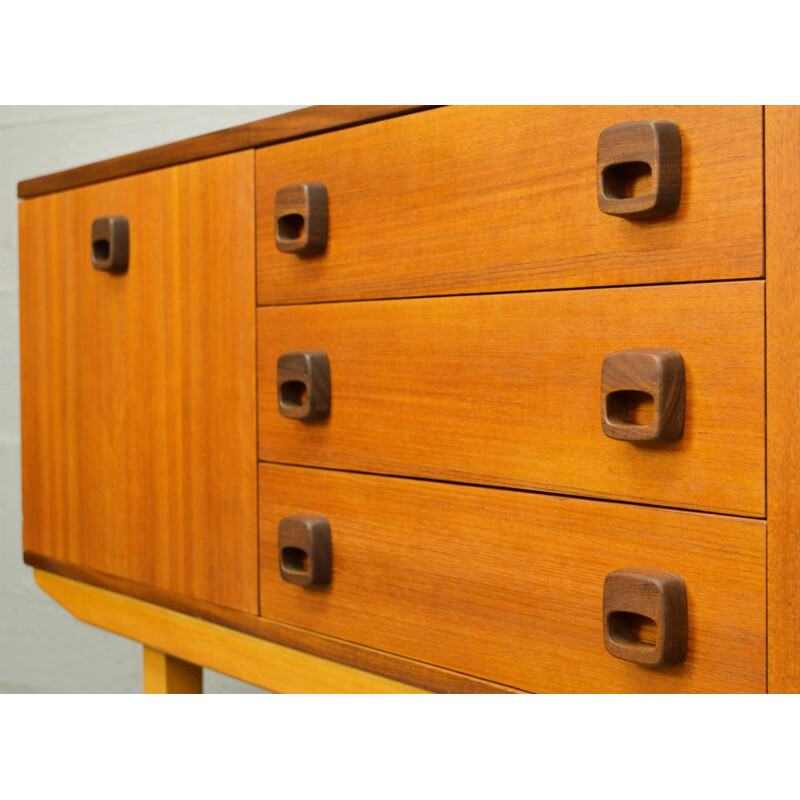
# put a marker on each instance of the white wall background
(43, 648)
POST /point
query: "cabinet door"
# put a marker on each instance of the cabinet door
(138, 389)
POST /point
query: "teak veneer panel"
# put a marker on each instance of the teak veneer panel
(782, 128)
(505, 390)
(138, 390)
(280, 128)
(468, 200)
(509, 585)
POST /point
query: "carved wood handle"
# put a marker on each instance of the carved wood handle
(110, 244)
(628, 151)
(636, 597)
(304, 550)
(657, 372)
(301, 218)
(304, 385)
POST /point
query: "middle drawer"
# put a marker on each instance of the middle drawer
(505, 390)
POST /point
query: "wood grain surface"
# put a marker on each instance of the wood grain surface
(253, 660)
(280, 128)
(467, 200)
(508, 585)
(426, 676)
(782, 129)
(505, 390)
(138, 391)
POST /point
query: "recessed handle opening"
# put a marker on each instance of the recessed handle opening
(294, 393)
(290, 227)
(294, 559)
(101, 249)
(630, 179)
(630, 407)
(632, 630)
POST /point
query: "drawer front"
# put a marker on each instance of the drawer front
(506, 390)
(468, 200)
(509, 585)
(138, 388)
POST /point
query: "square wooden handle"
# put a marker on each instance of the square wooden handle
(657, 372)
(633, 148)
(653, 595)
(301, 218)
(304, 550)
(304, 385)
(110, 244)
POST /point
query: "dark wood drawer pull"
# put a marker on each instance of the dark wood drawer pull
(631, 155)
(110, 244)
(301, 218)
(645, 616)
(304, 385)
(304, 550)
(653, 372)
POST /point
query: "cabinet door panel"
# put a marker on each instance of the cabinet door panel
(138, 390)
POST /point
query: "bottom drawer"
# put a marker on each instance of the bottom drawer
(508, 586)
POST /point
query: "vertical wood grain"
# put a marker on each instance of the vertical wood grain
(164, 674)
(138, 391)
(782, 141)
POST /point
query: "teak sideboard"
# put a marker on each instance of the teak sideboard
(410, 398)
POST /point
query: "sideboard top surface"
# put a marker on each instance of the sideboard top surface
(280, 128)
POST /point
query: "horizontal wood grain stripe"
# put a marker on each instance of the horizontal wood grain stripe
(505, 390)
(465, 200)
(429, 677)
(292, 125)
(508, 586)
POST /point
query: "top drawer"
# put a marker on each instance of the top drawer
(469, 200)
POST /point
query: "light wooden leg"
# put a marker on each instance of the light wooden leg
(165, 674)
(197, 641)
